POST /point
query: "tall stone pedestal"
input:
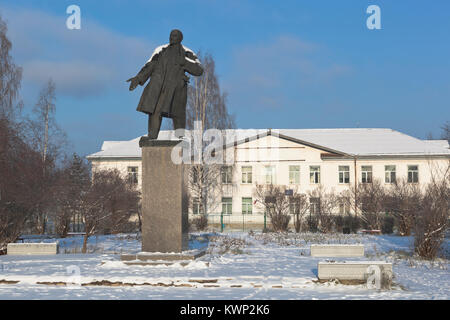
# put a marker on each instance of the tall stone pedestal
(164, 199)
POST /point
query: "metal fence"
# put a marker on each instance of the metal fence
(236, 222)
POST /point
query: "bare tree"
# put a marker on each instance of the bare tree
(432, 218)
(45, 136)
(276, 204)
(204, 183)
(299, 208)
(372, 204)
(446, 131)
(72, 183)
(20, 183)
(402, 201)
(206, 109)
(327, 202)
(368, 199)
(206, 102)
(10, 78)
(109, 203)
(44, 132)
(17, 167)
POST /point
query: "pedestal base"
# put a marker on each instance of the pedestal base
(164, 198)
(157, 258)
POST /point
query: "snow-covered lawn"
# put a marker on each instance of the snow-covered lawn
(237, 266)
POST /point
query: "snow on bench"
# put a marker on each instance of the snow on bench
(20, 249)
(354, 270)
(337, 250)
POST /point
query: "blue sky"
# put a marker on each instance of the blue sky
(284, 64)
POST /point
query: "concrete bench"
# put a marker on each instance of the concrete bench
(357, 271)
(337, 250)
(22, 249)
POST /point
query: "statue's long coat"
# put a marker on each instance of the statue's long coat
(167, 89)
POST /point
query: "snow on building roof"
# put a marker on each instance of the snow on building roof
(441, 143)
(109, 144)
(357, 141)
(367, 141)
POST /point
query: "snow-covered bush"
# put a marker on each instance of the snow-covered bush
(225, 244)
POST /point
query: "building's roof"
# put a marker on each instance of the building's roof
(441, 143)
(354, 142)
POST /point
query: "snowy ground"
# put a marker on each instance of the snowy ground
(237, 266)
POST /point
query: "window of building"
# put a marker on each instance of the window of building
(294, 174)
(314, 174)
(366, 174)
(133, 175)
(314, 205)
(227, 207)
(413, 174)
(77, 223)
(344, 174)
(226, 174)
(246, 174)
(269, 174)
(197, 206)
(389, 174)
(247, 204)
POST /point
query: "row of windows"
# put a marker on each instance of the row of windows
(294, 174)
(314, 174)
(227, 206)
(247, 206)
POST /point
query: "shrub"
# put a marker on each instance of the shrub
(313, 223)
(339, 223)
(280, 222)
(388, 225)
(352, 223)
(200, 223)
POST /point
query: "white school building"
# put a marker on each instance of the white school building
(301, 159)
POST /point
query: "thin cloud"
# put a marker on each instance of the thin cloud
(83, 62)
(276, 71)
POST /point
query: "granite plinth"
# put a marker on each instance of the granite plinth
(157, 258)
(164, 198)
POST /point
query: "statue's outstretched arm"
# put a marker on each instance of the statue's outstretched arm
(143, 75)
(145, 72)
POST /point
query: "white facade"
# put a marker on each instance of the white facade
(334, 158)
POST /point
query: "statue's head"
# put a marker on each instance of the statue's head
(176, 36)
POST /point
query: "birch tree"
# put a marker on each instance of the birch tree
(206, 109)
(46, 137)
(108, 203)
(10, 78)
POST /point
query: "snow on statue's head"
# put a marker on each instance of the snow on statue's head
(176, 36)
